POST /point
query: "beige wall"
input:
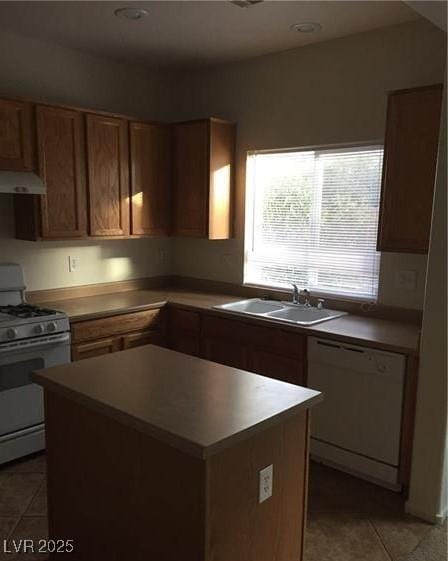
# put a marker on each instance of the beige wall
(328, 93)
(34, 68)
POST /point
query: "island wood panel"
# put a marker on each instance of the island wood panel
(61, 149)
(410, 158)
(150, 152)
(17, 143)
(108, 176)
(101, 347)
(158, 501)
(130, 496)
(240, 528)
(191, 179)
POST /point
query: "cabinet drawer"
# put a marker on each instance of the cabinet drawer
(96, 348)
(116, 325)
(143, 338)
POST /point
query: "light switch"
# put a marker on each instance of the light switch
(265, 483)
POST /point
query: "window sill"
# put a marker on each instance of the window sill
(330, 296)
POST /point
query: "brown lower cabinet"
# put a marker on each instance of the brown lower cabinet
(124, 331)
(184, 331)
(96, 348)
(269, 351)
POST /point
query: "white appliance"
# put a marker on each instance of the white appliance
(357, 427)
(30, 338)
(23, 182)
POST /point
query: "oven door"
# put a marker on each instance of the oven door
(21, 401)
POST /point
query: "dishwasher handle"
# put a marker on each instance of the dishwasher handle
(339, 355)
(336, 346)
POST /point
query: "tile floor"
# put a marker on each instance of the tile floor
(349, 519)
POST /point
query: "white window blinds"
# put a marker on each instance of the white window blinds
(312, 219)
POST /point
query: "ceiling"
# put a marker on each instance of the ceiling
(192, 33)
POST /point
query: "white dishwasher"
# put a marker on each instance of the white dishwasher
(358, 425)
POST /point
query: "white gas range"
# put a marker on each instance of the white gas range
(31, 338)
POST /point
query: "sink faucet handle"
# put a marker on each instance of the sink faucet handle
(295, 293)
(320, 303)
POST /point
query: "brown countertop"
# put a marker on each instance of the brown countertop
(385, 334)
(198, 406)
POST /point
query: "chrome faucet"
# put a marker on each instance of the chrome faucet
(295, 294)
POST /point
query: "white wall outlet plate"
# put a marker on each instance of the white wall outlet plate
(265, 483)
(73, 264)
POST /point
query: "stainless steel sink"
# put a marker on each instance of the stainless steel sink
(305, 315)
(281, 311)
(252, 306)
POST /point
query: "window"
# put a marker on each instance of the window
(312, 219)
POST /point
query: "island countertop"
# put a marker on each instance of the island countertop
(198, 406)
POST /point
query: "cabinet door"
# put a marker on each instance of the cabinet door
(81, 351)
(143, 338)
(184, 331)
(16, 136)
(185, 342)
(410, 157)
(108, 176)
(60, 135)
(191, 179)
(274, 365)
(150, 178)
(225, 351)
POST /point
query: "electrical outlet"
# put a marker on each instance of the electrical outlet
(406, 280)
(73, 264)
(265, 483)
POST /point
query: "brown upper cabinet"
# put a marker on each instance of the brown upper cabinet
(61, 148)
(16, 136)
(108, 176)
(410, 158)
(61, 212)
(150, 152)
(203, 178)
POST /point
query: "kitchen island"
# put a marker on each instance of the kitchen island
(156, 455)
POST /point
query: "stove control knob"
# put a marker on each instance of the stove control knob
(52, 326)
(38, 329)
(11, 333)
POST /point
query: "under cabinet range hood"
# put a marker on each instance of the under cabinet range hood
(21, 182)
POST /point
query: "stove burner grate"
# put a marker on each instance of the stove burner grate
(26, 311)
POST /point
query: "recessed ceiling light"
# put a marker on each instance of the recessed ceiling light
(306, 27)
(131, 13)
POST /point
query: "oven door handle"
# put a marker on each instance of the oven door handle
(32, 344)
